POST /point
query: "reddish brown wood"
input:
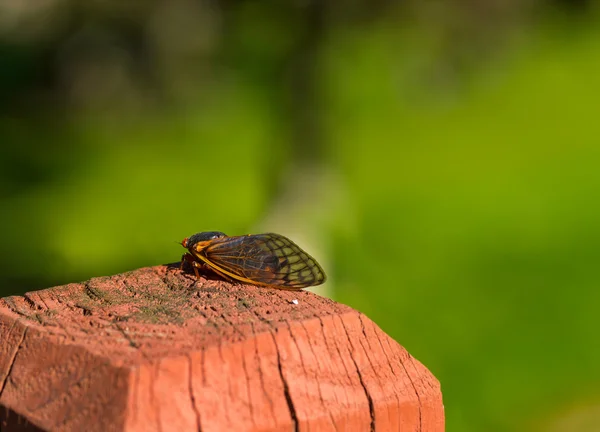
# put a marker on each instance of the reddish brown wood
(154, 350)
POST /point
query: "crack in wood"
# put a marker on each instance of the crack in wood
(306, 377)
(132, 343)
(12, 361)
(310, 345)
(9, 333)
(409, 378)
(338, 370)
(389, 361)
(235, 328)
(227, 377)
(416, 391)
(45, 304)
(360, 378)
(154, 368)
(203, 367)
(136, 388)
(29, 301)
(286, 388)
(248, 392)
(92, 293)
(375, 369)
(192, 398)
(260, 374)
(12, 305)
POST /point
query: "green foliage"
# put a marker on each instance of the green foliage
(476, 239)
(138, 189)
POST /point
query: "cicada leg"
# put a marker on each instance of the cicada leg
(200, 265)
(223, 275)
(186, 257)
(195, 266)
(193, 262)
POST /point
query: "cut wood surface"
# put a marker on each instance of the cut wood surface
(157, 350)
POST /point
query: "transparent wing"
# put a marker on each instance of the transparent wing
(265, 259)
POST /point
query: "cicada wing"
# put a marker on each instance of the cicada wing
(265, 259)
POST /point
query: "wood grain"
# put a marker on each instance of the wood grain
(156, 350)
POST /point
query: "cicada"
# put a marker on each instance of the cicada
(259, 259)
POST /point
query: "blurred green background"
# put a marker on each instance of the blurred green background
(440, 158)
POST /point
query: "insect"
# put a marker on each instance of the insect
(260, 259)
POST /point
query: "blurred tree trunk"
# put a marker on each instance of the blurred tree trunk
(303, 199)
(303, 106)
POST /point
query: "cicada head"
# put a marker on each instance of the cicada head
(191, 241)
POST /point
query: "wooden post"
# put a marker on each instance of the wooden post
(156, 350)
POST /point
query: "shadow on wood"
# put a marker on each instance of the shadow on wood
(11, 421)
(155, 350)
